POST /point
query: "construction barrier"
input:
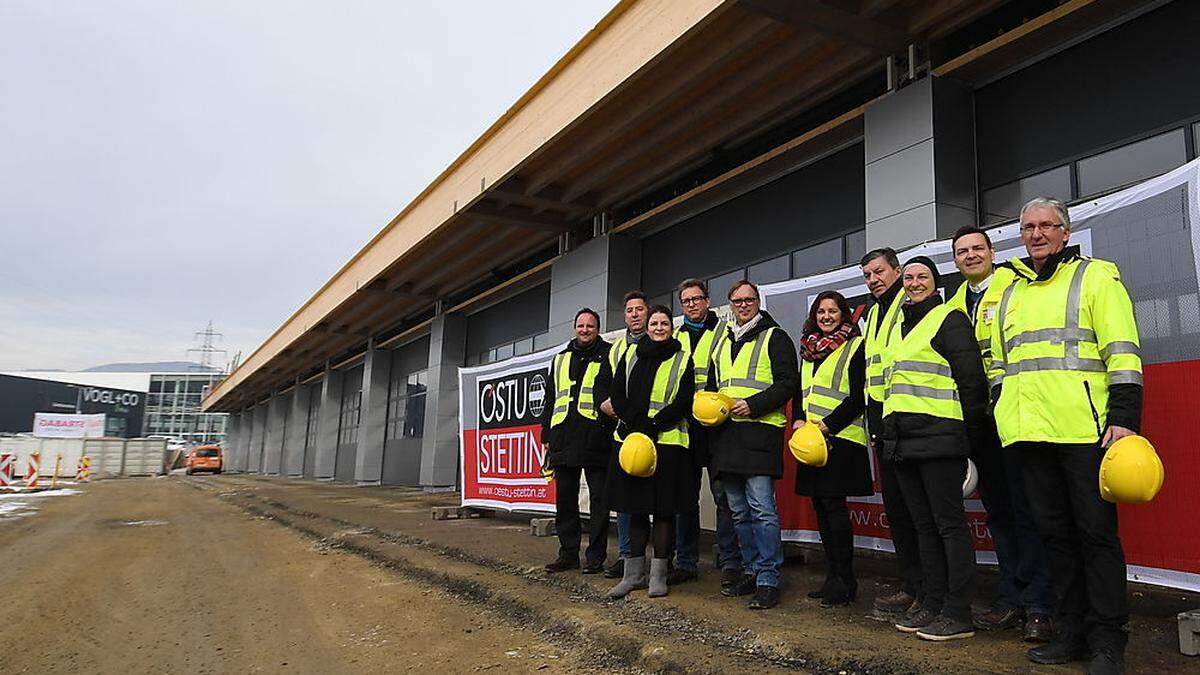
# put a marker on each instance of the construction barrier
(107, 456)
(33, 472)
(83, 472)
(6, 469)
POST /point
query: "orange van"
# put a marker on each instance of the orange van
(204, 458)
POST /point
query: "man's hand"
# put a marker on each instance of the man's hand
(798, 423)
(824, 429)
(607, 409)
(1115, 433)
(741, 408)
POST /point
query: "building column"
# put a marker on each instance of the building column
(232, 439)
(327, 433)
(297, 430)
(919, 146)
(368, 460)
(440, 445)
(257, 442)
(275, 419)
(247, 437)
(595, 275)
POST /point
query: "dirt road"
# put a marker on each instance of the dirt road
(249, 574)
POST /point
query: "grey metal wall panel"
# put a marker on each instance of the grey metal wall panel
(402, 461)
(1136, 78)
(411, 357)
(816, 202)
(901, 122)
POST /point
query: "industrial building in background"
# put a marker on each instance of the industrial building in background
(725, 139)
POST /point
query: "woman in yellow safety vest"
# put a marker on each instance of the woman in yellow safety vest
(652, 394)
(934, 408)
(832, 377)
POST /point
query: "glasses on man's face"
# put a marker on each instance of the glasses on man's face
(742, 302)
(1030, 228)
(688, 302)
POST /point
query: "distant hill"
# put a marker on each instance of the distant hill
(155, 367)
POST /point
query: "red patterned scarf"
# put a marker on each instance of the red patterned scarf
(816, 346)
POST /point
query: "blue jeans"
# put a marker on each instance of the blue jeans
(756, 521)
(623, 543)
(1033, 579)
(687, 535)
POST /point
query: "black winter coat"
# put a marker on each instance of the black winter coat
(579, 441)
(698, 434)
(755, 448)
(915, 436)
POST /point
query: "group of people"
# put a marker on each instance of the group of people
(1019, 381)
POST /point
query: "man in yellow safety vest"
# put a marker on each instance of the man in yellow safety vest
(576, 441)
(881, 271)
(1024, 585)
(1067, 382)
(635, 311)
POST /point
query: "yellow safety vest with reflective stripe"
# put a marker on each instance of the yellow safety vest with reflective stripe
(702, 353)
(617, 352)
(662, 393)
(985, 311)
(586, 405)
(826, 386)
(1057, 346)
(917, 379)
(877, 340)
(748, 374)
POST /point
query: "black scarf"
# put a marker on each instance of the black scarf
(640, 379)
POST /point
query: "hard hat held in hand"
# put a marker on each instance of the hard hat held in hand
(972, 480)
(808, 445)
(547, 473)
(1131, 472)
(711, 408)
(638, 456)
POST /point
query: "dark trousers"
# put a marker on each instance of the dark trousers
(903, 531)
(566, 518)
(1079, 528)
(933, 491)
(837, 538)
(687, 535)
(1021, 557)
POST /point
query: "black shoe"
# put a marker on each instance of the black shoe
(1106, 662)
(765, 597)
(822, 591)
(896, 602)
(1058, 652)
(999, 618)
(680, 576)
(562, 565)
(615, 570)
(593, 567)
(1038, 628)
(916, 619)
(945, 628)
(839, 594)
(730, 577)
(744, 586)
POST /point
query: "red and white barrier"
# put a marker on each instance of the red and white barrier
(84, 472)
(33, 472)
(6, 469)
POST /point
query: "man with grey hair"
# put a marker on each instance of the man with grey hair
(1067, 382)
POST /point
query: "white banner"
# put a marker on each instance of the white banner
(56, 425)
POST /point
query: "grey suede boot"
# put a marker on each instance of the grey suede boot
(658, 577)
(633, 579)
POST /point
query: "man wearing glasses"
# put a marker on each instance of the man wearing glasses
(700, 333)
(755, 365)
(1067, 381)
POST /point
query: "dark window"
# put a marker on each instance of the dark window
(348, 424)
(406, 406)
(819, 258)
(1130, 163)
(314, 417)
(1004, 203)
(856, 246)
(770, 271)
(718, 287)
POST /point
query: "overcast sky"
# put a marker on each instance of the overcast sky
(167, 163)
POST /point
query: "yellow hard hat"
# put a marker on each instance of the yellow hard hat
(547, 473)
(711, 408)
(972, 479)
(808, 445)
(1131, 472)
(638, 456)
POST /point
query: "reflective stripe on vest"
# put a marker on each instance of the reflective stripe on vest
(917, 378)
(703, 352)
(1056, 377)
(748, 374)
(562, 389)
(828, 386)
(878, 343)
(617, 352)
(662, 393)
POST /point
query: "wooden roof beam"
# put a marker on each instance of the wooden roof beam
(856, 29)
(505, 219)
